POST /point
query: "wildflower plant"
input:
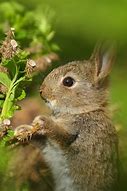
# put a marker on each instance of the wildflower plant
(13, 78)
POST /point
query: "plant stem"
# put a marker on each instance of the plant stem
(5, 105)
(4, 112)
(19, 80)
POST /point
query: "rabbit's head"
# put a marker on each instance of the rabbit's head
(79, 86)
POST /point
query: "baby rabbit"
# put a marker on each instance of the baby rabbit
(78, 140)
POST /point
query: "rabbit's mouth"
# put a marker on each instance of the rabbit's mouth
(52, 106)
(47, 102)
(44, 99)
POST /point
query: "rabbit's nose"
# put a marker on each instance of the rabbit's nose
(40, 91)
(42, 88)
(41, 94)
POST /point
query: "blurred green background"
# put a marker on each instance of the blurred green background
(78, 26)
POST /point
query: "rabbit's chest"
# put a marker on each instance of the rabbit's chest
(58, 164)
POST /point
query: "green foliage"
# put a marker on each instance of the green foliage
(5, 80)
(32, 27)
(34, 33)
(6, 138)
(14, 80)
(5, 154)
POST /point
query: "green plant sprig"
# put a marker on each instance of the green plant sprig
(14, 79)
(32, 32)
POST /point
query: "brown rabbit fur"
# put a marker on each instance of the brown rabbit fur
(82, 146)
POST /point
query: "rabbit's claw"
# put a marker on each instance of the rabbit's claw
(23, 133)
(39, 124)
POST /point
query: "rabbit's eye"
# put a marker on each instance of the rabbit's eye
(68, 81)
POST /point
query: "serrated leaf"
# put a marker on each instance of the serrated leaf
(22, 55)
(22, 95)
(11, 110)
(4, 79)
(10, 133)
(10, 105)
(21, 60)
(10, 65)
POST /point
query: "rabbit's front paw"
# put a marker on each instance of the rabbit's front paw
(41, 124)
(24, 132)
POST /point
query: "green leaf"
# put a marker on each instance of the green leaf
(22, 79)
(2, 96)
(23, 55)
(55, 47)
(10, 133)
(4, 79)
(50, 35)
(1, 103)
(22, 95)
(10, 65)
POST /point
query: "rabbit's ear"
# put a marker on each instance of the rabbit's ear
(103, 58)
